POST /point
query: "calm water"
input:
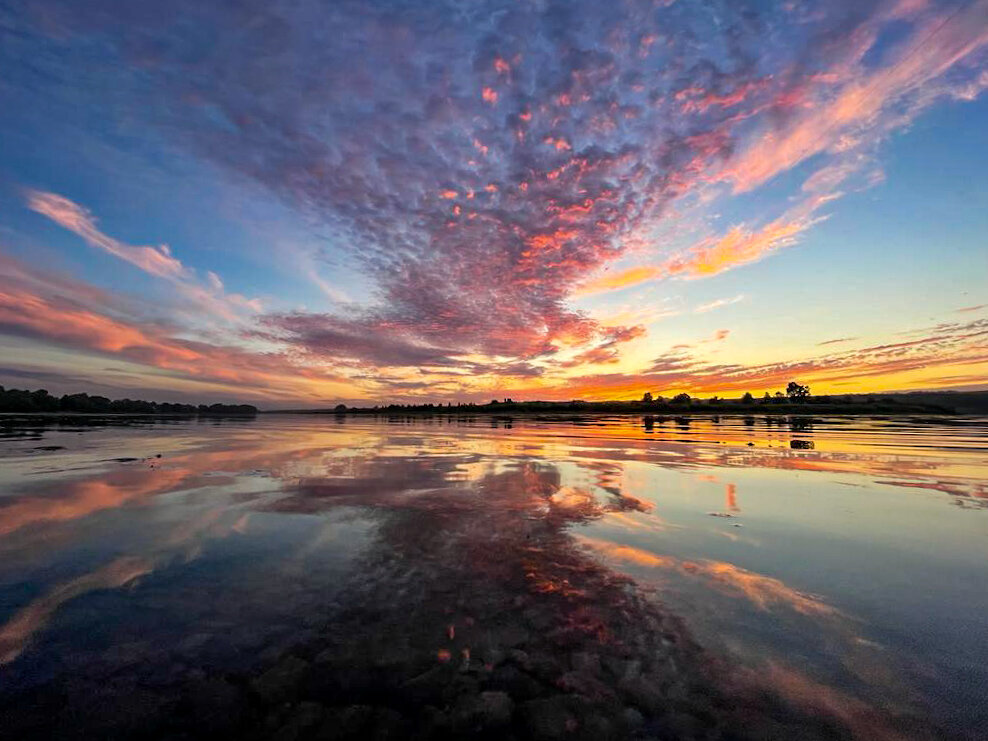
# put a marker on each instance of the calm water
(321, 577)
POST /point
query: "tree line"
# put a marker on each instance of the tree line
(20, 400)
(795, 399)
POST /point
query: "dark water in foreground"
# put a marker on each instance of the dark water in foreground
(302, 577)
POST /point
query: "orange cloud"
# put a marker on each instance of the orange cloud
(737, 247)
(66, 322)
(622, 279)
(559, 143)
(844, 111)
(45, 318)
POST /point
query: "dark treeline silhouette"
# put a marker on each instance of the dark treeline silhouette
(795, 399)
(19, 400)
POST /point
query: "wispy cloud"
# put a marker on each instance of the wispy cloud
(158, 261)
(718, 303)
(737, 247)
(849, 105)
(621, 279)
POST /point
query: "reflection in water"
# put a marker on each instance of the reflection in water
(732, 498)
(16, 633)
(333, 578)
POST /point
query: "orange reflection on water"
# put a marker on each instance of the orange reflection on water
(731, 495)
(762, 591)
(82, 498)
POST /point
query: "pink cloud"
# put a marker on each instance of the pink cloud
(154, 260)
(68, 314)
(852, 106)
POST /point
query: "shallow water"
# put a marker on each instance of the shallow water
(595, 577)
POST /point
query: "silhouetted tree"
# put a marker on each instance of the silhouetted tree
(681, 399)
(747, 398)
(796, 391)
(647, 397)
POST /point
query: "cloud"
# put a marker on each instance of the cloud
(157, 261)
(622, 279)
(474, 248)
(66, 313)
(737, 247)
(718, 303)
(354, 341)
(607, 351)
(851, 105)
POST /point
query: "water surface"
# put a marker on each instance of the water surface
(595, 577)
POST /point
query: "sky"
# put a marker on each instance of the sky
(287, 202)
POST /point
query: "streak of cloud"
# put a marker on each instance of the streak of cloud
(718, 303)
(210, 298)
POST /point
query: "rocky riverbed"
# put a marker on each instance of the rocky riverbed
(475, 613)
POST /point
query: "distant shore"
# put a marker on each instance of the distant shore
(919, 402)
(39, 404)
(633, 409)
(24, 401)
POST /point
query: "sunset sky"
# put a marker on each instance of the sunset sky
(312, 202)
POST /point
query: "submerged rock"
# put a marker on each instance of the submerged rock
(549, 719)
(360, 722)
(484, 711)
(281, 680)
